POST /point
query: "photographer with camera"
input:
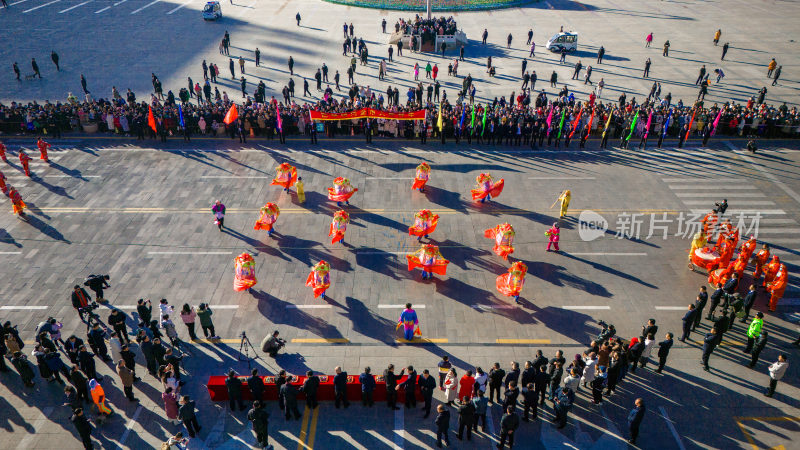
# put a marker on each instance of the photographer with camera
(82, 303)
(272, 344)
(97, 283)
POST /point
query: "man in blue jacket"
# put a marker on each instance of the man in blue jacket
(635, 419)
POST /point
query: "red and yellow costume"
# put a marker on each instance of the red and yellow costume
(24, 159)
(503, 236)
(269, 215)
(429, 259)
(709, 223)
(761, 259)
(16, 201)
(777, 287)
(245, 272)
(3, 152)
(341, 190)
(3, 183)
(771, 269)
(510, 284)
(564, 198)
(339, 226)
(748, 248)
(286, 177)
(43, 147)
(423, 174)
(424, 223)
(487, 188)
(699, 241)
(722, 275)
(319, 278)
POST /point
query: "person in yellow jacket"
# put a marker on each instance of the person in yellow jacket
(771, 67)
(754, 331)
(717, 35)
(564, 198)
(301, 193)
(699, 241)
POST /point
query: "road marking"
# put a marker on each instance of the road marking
(180, 6)
(10, 253)
(400, 306)
(608, 254)
(747, 435)
(321, 341)
(235, 176)
(385, 441)
(128, 427)
(730, 196)
(17, 3)
(586, 307)
(703, 180)
(40, 6)
(422, 341)
(715, 187)
(389, 178)
(490, 425)
(22, 307)
(745, 202)
(736, 212)
(496, 306)
(98, 12)
(562, 178)
(776, 221)
(522, 341)
(349, 439)
(301, 443)
(70, 9)
(778, 231)
(399, 428)
(671, 308)
(145, 6)
(383, 253)
(189, 253)
(766, 173)
(671, 428)
(313, 430)
(732, 343)
(308, 306)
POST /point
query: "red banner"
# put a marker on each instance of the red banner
(368, 112)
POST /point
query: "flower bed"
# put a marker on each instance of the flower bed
(438, 5)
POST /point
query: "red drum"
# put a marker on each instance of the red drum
(705, 258)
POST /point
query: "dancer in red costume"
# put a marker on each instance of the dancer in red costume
(553, 236)
(341, 191)
(709, 223)
(722, 275)
(3, 183)
(423, 174)
(24, 160)
(3, 152)
(43, 147)
(319, 279)
(245, 272)
(424, 224)
(777, 287)
(269, 215)
(286, 177)
(511, 283)
(761, 259)
(339, 226)
(503, 236)
(16, 201)
(748, 247)
(487, 188)
(771, 269)
(429, 259)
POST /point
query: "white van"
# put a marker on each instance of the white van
(563, 40)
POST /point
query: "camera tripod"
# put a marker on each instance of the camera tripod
(244, 351)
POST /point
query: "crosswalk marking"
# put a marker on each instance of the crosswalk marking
(711, 187)
(18, 2)
(73, 7)
(179, 6)
(40, 6)
(731, 197)
(110, 6)
(778, 231)
(736, 212)
(703, 180)
(744, 202)
(145, 6)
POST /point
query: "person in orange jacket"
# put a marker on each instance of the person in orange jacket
(3, 152)
(24, 159)
(777, 287)
(43, 147)
(709, 223)
(3, 183)
(771, 269)
(761, 259)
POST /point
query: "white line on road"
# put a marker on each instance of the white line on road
(129, 426)
(399, 428)
(490, 425)
(17, 3)
(234, 176)
(671, 308)
(73, 7)
(778, 231)
(776, 221)
(607, 254)
(23, 307)
(347, 438)
(400, 306)
(562, 178)
(389, 178)
(103, 9)
(189, 253)
(711, 186)
(586, 307)
(385, 441)
(10, 253)
(383, 253)
(40, 6)
(210, 306)
(180, 6)
(308, 306)
(494, 306)
(732, 197)
(736, 212)
(145, 6)
(704, 180)
(766, 173)
(671, 428)
(743, 202)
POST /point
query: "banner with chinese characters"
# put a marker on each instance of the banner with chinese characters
(368, 113)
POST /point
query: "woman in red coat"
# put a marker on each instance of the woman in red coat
(465, 385)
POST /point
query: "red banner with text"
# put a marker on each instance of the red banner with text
(370, 113)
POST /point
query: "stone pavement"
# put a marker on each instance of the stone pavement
(121, 42)
(140, 212)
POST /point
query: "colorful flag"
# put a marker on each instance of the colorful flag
(231, 115)
(575, 123)
(439, 119)
(151, 120)
(666, 124)
(608, 122)
(280, 121)
(716, 122)
(549, 120)
(689, 130)
(472, 122)
(484, 120)
(647, 127)
(633, 125)
(180, 117)
(561, 124)
(463, 114)
(591, 119)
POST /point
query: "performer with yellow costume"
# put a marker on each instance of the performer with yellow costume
(510, 284)
(424, 223)
(16, 201)
(503, 236)
(777, 286)
(564, 198)
(286, 177)
(319, 279)
(429, 259)
(423, 174)
(339, 226)
(245, 272)
(487, 188)
(699, 241)
(341, 191)
(269, 215)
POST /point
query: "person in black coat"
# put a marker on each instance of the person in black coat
(699, 304)
(310, 387)
(635, 419)
(709, 343)
(86, 363)
(540, 383)
(688, 321)
(234, 386)
(663, 352)
(466, 416)
(716, 297)
(340, 388)
(73, 346)
(442, 423)
(528, 374)
(391, 386)
(187, 416)
(508, 426)
(634, 353)
(650, 328)
(256, 385)
(427, 384)
(84, 428)
(496, 375)
(512, 375)
(556, 372)
(289, 396)
(81, 384)
(539, 361)
(761, 342)
(749, 301)
(24, 368)
(97, 341)
(529, 401)
(510, 395)
(260, 418)
(409, 387)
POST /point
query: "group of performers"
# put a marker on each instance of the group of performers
(18, 206)
(719, 261)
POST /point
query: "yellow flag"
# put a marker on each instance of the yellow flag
(608, 122)
(439, 120)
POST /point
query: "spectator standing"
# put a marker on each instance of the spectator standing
(204, 313)
(260, 418)
(663, 352)
(508, 426)
(444, 364)
(171, 406)
(776, 372)
(234, 386)
(466, 417)
(635, 420)
(367, 381)
(256, 385)
(126, 378)
(442, 423)
(310, 387)
(761, 342)
(427, 384)
(187, 415)
(188, 315)
(340, 388)
(84, 428)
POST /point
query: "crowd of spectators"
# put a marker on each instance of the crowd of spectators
(421, 26)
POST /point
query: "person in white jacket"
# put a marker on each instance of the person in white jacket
(649, 343)
(572, 381)
(481, 378)
(588, 371)
(451, 386)
(776, 372)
